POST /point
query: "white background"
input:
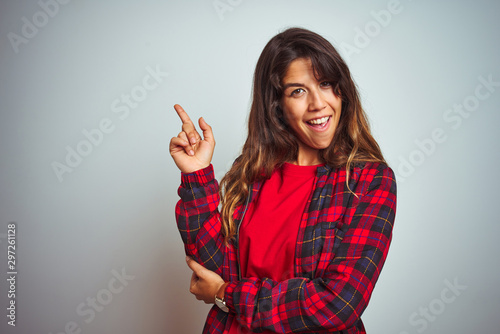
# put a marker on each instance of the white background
(114, 211)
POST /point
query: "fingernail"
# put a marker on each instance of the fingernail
(193, 140)
(191, 152)
(188, 258)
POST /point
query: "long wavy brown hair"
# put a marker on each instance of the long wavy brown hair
(270, 140)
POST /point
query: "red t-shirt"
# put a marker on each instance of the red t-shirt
(268, 233)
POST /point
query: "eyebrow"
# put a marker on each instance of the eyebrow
(293, 84)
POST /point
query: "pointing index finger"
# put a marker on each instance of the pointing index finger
(182, 114)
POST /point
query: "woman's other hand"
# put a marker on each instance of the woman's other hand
(204, 283)
(189, 151)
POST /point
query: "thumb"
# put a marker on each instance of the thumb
(194, 266)
(207, 131)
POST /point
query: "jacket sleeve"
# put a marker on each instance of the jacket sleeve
(198, 218)
(336, 300)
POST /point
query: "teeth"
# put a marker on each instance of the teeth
(319, 120)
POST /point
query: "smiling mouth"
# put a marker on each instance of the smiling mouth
(319, 122)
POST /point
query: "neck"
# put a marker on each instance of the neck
(307, 156)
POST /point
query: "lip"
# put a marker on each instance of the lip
(322, 128)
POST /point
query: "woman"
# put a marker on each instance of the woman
(307, 208)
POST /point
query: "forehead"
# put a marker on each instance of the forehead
(299, 70)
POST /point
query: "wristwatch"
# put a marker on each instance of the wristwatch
(220, 302)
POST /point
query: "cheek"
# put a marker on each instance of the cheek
(335, 102)
(294, 122)
(292, 112)
(288, 115)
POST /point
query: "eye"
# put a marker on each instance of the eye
(326, 84)
(297, 92)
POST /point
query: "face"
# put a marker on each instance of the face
(311, 109)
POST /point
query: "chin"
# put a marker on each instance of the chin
(322, 147)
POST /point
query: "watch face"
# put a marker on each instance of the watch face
(221, 304)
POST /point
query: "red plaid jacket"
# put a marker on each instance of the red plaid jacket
(341, 247)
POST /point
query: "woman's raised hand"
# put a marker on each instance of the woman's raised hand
(189, 151)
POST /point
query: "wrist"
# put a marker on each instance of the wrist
(219, 297)
(221, 291)
(193, 169)
(200, 176)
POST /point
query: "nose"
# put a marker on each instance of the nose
(316, 101)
